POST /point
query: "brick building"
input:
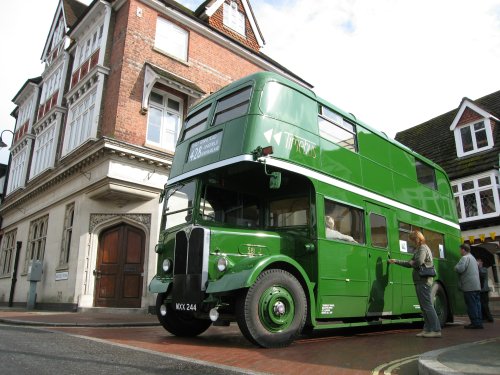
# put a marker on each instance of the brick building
(94, 139)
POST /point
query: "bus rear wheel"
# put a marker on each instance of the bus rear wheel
(273, 311)
(181, 324)
(440, 303)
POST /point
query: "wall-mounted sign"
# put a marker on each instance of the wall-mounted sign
(61, 275)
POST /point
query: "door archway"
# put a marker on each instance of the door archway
(119, 271)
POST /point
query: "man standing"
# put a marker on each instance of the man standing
(485, 291)
(468, 272)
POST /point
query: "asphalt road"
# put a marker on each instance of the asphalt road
(28, 351)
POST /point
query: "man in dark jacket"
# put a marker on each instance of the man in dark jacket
(485, 291)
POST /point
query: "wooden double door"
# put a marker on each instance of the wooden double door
(119, 270)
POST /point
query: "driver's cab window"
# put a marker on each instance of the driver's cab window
(231, 207)
(289, 212)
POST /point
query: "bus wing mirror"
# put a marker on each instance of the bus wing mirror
(275, 180)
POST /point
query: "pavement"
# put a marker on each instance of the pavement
(481, 357)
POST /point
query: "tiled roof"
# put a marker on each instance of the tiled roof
(73, 9)
(434, 140)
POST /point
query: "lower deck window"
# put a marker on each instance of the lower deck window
(343, 222)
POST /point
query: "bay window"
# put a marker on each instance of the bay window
(477, 197)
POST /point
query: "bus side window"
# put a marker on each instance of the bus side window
(343, 222)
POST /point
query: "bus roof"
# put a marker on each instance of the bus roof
(260, 78)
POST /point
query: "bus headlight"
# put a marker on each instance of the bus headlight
(222, 264)
(166, 265)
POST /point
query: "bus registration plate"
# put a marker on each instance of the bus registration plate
(185, 306)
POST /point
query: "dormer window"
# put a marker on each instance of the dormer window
(472, 128)
(233, 18)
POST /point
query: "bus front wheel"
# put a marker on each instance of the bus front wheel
(181, 324)
(440, 303)
(273, 311)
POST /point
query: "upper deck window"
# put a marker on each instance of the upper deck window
(425, 174)
(232, 106)
(196, 123)
(333, 127)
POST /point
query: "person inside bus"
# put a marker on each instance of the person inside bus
(333, 234)
(423, 285)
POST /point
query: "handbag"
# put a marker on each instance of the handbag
(424, 271)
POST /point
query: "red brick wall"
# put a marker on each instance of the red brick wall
(469, 116)
(217, 21)
(210, 66)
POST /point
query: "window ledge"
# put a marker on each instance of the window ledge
(165, 53)
(159, 148)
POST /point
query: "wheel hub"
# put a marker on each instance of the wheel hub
(276, 308)
(279, 308)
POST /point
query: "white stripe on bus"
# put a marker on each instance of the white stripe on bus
(317, 176)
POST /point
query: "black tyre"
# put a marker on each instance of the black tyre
(273, 311)
(440, 303)
(180, 323)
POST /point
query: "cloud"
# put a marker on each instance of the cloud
(393, 63)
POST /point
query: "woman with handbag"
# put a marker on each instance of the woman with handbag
(421, 264)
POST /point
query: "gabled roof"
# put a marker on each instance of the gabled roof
(209, 7)
(34, 81)
(197, 17)
(71, 11)
(469, 104)
(434, 140)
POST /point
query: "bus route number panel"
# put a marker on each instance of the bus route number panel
(205, 147)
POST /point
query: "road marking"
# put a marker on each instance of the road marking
(394, 364)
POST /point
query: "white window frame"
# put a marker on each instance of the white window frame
(165, 141)
(81, 121)
(43, 154)
(171, 39)
(36, 240)
(233, 18)
(459, 194)
(69, 218)
(17, 174)
(8, 253)
(88, 45)
(475, 148)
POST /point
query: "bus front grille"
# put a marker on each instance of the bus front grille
(190, 263)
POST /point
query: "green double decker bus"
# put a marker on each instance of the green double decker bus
(281, 211)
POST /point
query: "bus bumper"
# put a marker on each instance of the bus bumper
(159, 285)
